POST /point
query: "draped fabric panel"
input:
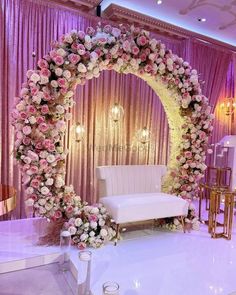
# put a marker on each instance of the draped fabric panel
(28, 26)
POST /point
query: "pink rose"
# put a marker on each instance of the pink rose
(81, 49)
(93, 217)
(126, 46)
(81, 35)
(143, 57)
(59, 60)
(74, 58)
(51, 148)
(34, 91)
(135, 50)
(44, 109)
(58, 214)
(47, 143)
(26, 130)
(26, 140)
(69, 209)
(45, 72)
(35, 183)
(61, 82)
(148, 68)
(90, 31)
(42, 63)
(43, 127)
(107, 29)
(39, 146)
(31, 109)
(23, 115)
(43, 163)
(142, 40)
(81, 246)
(40, 120)
(34, 169)
(46, 96)
(53, 54)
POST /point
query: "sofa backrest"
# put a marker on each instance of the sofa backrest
(129, 179)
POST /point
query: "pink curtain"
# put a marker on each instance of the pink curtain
(29, 26)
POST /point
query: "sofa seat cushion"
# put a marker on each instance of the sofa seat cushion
(144, 206)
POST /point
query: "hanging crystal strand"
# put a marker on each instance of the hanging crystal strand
(84, 287)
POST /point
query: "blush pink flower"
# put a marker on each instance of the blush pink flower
(45, 72)
(58, 214)
(81, 49)
(90, 31)
(35, 183)
(42, 63)
(26, 140)
(40, 120)
(44, 109)
(61, 82)
(43, 163)
(142, 40)
(26, 130)
(31, 109)
(143, 57)
(43, 127)
(23, 115)
(135, 50)
(74, 58)
(59, 60)
(81, 35)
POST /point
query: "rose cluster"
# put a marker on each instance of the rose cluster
(90, 226)
(41, 111)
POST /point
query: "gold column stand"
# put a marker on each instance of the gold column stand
(215, 199)
(7, 199)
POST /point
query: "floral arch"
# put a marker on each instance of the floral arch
(42, 110)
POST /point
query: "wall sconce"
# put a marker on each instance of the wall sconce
(116, 112)
(228, 106)
(79, 132)
(143, 135)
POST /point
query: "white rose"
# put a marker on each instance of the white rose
(44, 80)
(101, 222)
(93, 224)
(49, 181)
(60, 109)
(181, 71)
(54, 83)
(83, 237)
(48, 206)
(67, 74)
(68, 38)
(29, 190)
(36, 99)
(35, 78)
(44, 190)
(103, 232)
(50, 158)
(58, 72)
(29, 202)
(61, 52)
(78, 222)
(42, 202)
(94, 210)
(72, 230)
(161, 66)
(81, 68)
(43, 154)
(32, 120)
(92, 234)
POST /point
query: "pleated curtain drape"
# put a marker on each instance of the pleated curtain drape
(28, 26)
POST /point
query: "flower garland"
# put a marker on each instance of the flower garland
(41, 112)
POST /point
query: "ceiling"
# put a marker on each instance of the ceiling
(220, 15)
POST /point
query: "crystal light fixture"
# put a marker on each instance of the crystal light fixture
(144, 135)
(228, 106)
(116, 112)
(79, 132)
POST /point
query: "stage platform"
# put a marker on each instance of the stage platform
(146, 262)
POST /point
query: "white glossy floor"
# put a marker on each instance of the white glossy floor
(145, 262)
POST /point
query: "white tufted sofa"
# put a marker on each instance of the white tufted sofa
(133, 193)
